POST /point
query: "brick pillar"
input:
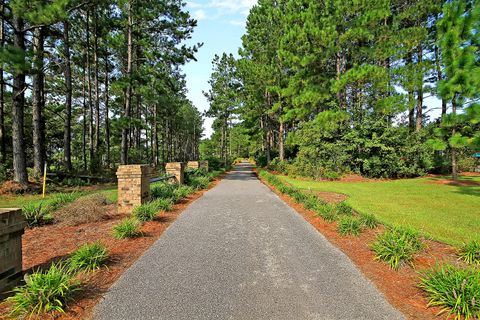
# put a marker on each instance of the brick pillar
(193, 164)
(203, 165)
(133, 186)
(177, 169)
(12, 226)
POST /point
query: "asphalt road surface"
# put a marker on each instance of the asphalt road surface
(239, 252)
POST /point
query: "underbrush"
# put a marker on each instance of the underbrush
(397, 246)
(42, 212)
(470, 253)
(44, 291)
(88, 257)
(349, 226)
(127, 228)
(455, 290)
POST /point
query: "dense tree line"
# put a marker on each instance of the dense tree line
(88, 84)
(338, 86)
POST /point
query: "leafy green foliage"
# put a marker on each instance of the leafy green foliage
(35, 215)
(369, 220)
(44, 292)
(470, 252)
(397, 246)
(453, 289)
(163, 204)
(349, 225)
(127, 228)
(146, 212)
(344, 208)
(327, 212)
(199, 182)
(88, 257)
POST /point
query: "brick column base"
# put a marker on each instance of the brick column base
(133, 186)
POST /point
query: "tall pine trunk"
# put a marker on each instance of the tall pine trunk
(38, 104)
(454, 151)
(97, 91)
(107, 116)
(67, 126)
(3, 138)
(18, 106)
(281, 147)
(419, 108)
(128, 93)
(89, 92)
(440, 76)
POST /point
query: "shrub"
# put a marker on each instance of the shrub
(162, 190)
(311, 201)
(349, 225)
(75, 182)
(368, 220)
(327, 212)
(344, 208)
(199, 182)
(470, 253)
(88, 257)
(455, 290)
(44, 292)
(397, 246)
(163, 204)
(127, 228)
(36, 215)
(145, 212)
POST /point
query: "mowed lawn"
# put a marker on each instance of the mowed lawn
(444, 212)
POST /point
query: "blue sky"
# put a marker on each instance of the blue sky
(221, 24)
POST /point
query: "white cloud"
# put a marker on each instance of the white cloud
(218, 8)
(237, 23)
(233, 6)
(199, 14)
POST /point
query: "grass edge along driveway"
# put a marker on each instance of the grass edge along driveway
(447, 213)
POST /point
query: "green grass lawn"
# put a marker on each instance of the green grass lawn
(444, 212)
(19, 201)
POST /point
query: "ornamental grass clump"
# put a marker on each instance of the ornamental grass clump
(127, 228)
(327, 212)
(349, 226)
(455, 290)
(44, 291)
(88, 257)
(145, 212)
(344, 208)
(470, 253)
(35, 215)
(397, 246)
(368, 220)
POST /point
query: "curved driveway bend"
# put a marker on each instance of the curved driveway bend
(239, 252)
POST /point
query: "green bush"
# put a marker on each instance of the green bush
(127, 228)
(455, 290)
(368, 220)
(470, 253)
(88, 257)
(36, 215)
(44, 292)
(397, 246)
(162, 190)
(349, 225)
(344, 208)
(146, 212)
(327, 212)
(163, 204)
(199, 182)
(311, 201)
(75, 182)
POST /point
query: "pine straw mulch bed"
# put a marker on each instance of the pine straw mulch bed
(399, 287)
(51, 243)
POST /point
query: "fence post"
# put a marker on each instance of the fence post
(133, 186)
(177, 169)
(12, 225)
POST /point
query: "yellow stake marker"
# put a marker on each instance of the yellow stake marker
(44, 179)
